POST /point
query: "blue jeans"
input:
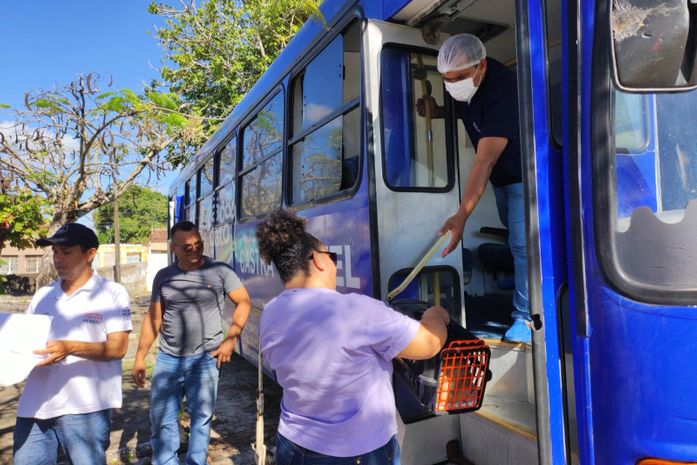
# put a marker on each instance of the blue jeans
(195, 377)
(83, 437)
(289, 453)
(509, 201)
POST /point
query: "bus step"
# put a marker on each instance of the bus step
(502, 432)
(511, 369)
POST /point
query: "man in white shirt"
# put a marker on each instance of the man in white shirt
(68, 396)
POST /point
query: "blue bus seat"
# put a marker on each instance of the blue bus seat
(496, 258)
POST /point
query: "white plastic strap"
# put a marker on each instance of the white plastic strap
(426, 258)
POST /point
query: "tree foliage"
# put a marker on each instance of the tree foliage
(22, 216)
(80, 147)
(140, 211)
(216, 51)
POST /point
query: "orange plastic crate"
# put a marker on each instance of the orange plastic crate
(464, 372)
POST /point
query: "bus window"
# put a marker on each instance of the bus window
(206, 178)
(631, 131)
(262, 160)
(322, 84)
(228, 162)
(225, 204)
(263, 136)
(654, 191)
(325, 144)
(261, 188)
(225, 196)
(634, 162)
(206, 213)
(677, 136)
(415, 148)
(191, 200)
(433, 286)
(173, 211)
(180, 203)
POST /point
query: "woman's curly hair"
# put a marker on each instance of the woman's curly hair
(284, 242)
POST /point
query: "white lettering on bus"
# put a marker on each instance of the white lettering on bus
(344, 278)
(250, 262)
(248, 258)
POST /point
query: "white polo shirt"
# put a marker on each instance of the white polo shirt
(77, 385)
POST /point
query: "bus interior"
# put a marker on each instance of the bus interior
(504, 430)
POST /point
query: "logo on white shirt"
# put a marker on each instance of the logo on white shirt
(93, 318)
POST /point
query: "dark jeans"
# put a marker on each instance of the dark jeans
(289, 453)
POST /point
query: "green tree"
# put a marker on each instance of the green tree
(81, 147)
(22, 216)
(140, 211)
(216, 51)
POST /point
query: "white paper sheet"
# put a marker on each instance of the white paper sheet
(20, 335)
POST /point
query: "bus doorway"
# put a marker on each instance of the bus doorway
(420, 168)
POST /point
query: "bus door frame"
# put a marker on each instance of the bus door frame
(546, 249)
(404, 233)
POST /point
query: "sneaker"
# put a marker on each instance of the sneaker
(520, 331)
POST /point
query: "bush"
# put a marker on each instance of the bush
(13, 284)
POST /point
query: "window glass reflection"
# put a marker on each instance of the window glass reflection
(263, 137)
(206, 173)
(261, 188)
(228, 162)
(322, 84)
(225, 203)
(206, 213)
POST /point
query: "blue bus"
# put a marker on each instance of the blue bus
(608, 119)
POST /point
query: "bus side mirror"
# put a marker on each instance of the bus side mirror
(654, 44)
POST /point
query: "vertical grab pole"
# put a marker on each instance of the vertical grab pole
(436, 288)
(426, 92)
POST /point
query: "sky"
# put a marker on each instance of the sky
(47, 43)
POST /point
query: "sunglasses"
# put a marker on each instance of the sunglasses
(189, 247)
(333, 256)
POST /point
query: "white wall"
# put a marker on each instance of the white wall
(156, 261)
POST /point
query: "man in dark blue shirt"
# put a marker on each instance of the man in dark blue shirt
(486, 100)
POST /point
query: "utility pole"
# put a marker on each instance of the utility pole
(117, 242)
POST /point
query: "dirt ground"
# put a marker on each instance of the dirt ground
(233, 426)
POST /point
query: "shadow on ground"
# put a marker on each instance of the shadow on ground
(234, 423)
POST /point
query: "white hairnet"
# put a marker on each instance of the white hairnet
(459, 52)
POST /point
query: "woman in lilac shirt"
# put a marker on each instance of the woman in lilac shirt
(332, 354)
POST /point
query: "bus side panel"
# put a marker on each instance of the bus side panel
(635, 360)
(642, 372)
(343, 226)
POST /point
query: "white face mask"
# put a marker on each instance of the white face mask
(462, 90)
